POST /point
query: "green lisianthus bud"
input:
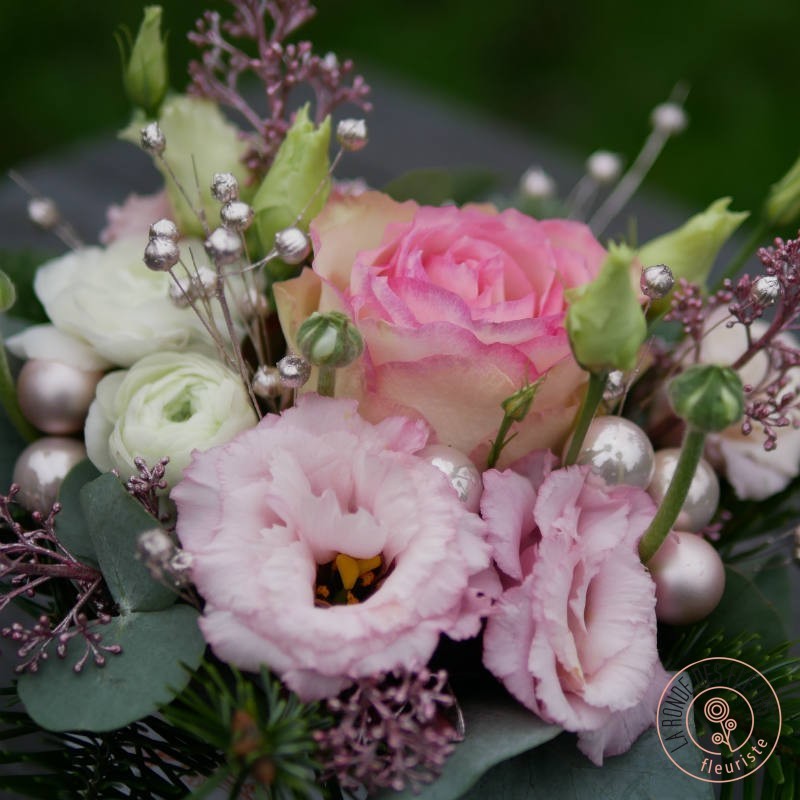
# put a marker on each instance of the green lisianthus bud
(195, 128)
(517, 406)
(782, 206)
(709, 397)
(300, 166)
(329, 340)
(690, 251)
(605, 323)
(146, 75)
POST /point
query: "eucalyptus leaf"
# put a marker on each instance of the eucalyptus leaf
(11, 445)
(71, 524)
(157, 649)
(8, 294)
(437, 186)
(115, 521)
(497, 729)
(20, 266)
(559, 771)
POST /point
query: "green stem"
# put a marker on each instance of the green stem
(326, 381)
(691, 451)
(9, 401)
(591, 400)
(500, 442)
(747, 250)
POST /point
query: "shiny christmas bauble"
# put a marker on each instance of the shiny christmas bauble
(41, 468)
(460, 471)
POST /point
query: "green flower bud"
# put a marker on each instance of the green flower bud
(782, 206)
(300, 166)
(517, 406)
(146, 77)
(709, 397)
(605, 322)
(690, 251)
(329, 340)
(195, 128)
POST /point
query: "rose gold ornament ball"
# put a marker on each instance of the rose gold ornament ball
(55, 397)
(689, 578)
(41, 468)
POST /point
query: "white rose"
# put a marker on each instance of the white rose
(754, 472)
(108, 298)
(167, 404)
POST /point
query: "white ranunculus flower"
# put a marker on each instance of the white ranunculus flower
(108, 298)
(167, 404)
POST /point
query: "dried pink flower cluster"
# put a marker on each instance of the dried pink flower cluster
(279, 66)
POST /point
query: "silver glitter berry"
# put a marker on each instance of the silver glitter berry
(161, 254)
(180, 298)
(164, 229)
(223, 246)
(669, 118)
(604, 167)
(204, 284)
(267, 383)
(294, 371)
(236, 215)
(656, 281)
(292, 245)
(153, 139)
(615, 386)
(155, 545)
(256, 303)
(224, 187)
(179, 568)
(536, 184)
(43, 212)
(766, 290)
(352, 134)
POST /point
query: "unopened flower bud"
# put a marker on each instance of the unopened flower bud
(146, 78)
(766, 290)
(669, 118)
(161, 254)
(604, 167)
(707, 396)
(536, 184)
(352, 134)
(517, 406)
(605, 323)
(153, 139)
(782, 206)
(329, 340)
(656, 281)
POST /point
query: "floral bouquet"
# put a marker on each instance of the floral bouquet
(328, 493)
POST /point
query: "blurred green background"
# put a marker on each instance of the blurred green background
(582, 74)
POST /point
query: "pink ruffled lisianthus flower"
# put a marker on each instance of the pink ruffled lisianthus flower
(573, 636)
(135, 216)
(327, 550)
(458, 307)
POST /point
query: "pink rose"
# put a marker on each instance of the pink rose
(280, 518)
(135, 216)
(459, 308)
(573, 637)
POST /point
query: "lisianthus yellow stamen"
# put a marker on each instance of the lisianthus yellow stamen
(351, 569)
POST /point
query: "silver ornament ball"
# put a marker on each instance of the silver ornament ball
(459, 470)
(223, 246)
(224, 187)
(689, 578)
(766, 290)
(703, 496)
(352, 134)
(618, 451)
(267, 383)
(43, 212)
(164, 229)
(236, 215)
(161, 254)
(153, 139)
(41, 468)
(669, 118)
(55, 397)
(656, 281)
(292, 245)
(294, 371)
(604, 167)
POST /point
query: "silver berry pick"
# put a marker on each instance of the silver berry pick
(164, 229)
(292, 245)
(223, 246)
(224, 187)
(236, 215)
(615, 386)
(669, 118)
(766, 290)
(604, 167)
(161, 254)
(179, 295)
(294, 371)
(352, 134)
(656, 281)
(153, 139)
(267, 382)
(536, 184)
(155, 545)
(43, 212)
